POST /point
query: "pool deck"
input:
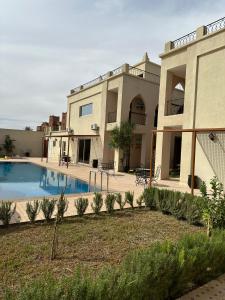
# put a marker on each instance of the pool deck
(119, 182)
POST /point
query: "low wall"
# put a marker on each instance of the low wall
(24, 141)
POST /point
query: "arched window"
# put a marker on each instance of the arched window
(137, 111)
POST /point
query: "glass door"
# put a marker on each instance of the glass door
(84, 149)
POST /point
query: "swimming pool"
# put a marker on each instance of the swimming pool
(26, 180)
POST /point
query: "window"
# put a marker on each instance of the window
(139, 104)
(85, 110)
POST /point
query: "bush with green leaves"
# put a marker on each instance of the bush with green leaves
(178, 205)
(32, 210)
(164, 200)
(47, 207)
(163, 271)
(109, 203)
(7, 210)
(214, 210)
(195, 206)
(129, 198)
(97, 203)
(81, 205)
(150, 197)
(62, 206)
(119, 200)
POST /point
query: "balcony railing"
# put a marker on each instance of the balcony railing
(192, 36)
(186, 39)
(143, 74)
(111, 117)
(215, 26)
(175, 106)
(132, 70)
(137, 118)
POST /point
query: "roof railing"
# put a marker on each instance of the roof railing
(215, 26)
(130, 70)
(186, 39)
(192, 36)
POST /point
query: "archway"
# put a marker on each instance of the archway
(137, 114)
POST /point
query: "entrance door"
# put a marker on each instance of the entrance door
(84, 151)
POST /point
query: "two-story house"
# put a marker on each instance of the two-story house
(195, 64)
(95, 108)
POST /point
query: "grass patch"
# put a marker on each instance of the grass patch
(90, 242)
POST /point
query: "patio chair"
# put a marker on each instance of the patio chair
(142, 176)
(66, 159)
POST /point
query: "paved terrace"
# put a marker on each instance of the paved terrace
(119, 182)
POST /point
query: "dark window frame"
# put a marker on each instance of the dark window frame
(83, 113)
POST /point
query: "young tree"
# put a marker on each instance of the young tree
(8, 145)
(121, 139)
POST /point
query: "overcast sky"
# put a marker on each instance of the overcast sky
(47, 47)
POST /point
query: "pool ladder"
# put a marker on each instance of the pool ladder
(95, 176)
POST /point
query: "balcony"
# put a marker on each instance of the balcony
(111, 117)
(175, 107)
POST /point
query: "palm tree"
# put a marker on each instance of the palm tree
(121, 139)
(8, 145)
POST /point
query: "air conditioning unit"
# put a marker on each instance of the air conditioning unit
(94, 126)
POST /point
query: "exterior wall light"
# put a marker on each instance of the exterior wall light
(212, 137)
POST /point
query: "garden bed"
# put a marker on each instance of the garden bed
(91, 241)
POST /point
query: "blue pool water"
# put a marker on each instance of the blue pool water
(24, 180)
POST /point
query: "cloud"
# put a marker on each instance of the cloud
(48, 47)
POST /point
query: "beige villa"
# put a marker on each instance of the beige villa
(195, 64)
(95, 108)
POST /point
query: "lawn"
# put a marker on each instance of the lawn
(90, 241)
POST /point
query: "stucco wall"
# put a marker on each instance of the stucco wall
(112, 95)
(25, 141)
(204, 102)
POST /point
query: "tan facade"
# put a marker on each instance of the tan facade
(196, 65)
(95, 108)
(26, 142)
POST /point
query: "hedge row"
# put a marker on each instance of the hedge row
(163, 271)
(183, 206)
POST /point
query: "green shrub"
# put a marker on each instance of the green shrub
(214, 210)
(6, 212)
(164, 200)
(62, 206)
(119, 200)
(163, 271)
(47, 207)
(149, 197)
(97, 203)
(178, 205)
(109, 203)
(195, 207)
(81, 205)
(129, 198)
(32, 210)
